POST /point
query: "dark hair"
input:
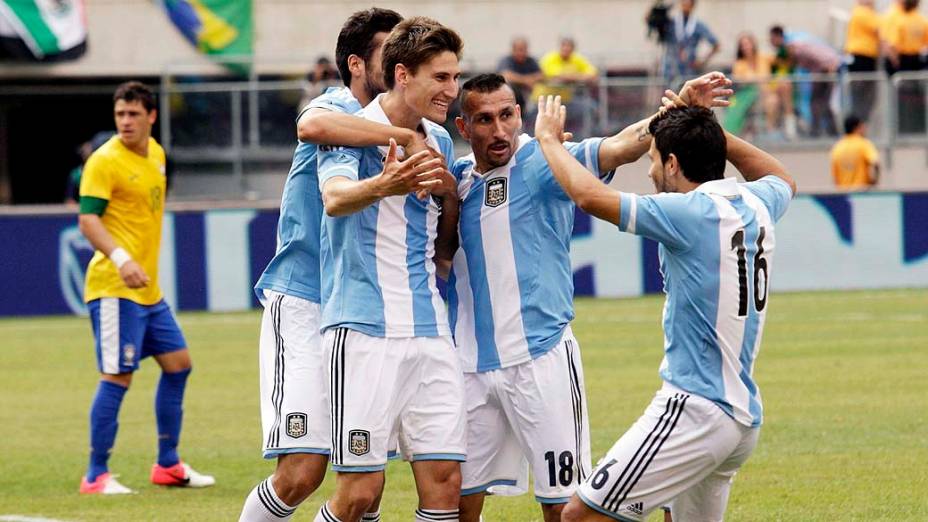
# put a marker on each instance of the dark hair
(135, 91)
(415, 41)
(357, 36)
(483, 83)
(777, 30)
(694, 136)
(851, 123)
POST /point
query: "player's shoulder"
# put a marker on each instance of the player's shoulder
(337, 97)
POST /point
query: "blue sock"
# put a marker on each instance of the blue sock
(169, 412)
(104, 415)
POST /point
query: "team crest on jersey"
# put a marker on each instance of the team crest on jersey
(296, 424)
(359, 442)
(496, 192)
(128, 354)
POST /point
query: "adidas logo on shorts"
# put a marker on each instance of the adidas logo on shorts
(636, 508)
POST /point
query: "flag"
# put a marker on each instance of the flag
(42, 30)
(215, 27)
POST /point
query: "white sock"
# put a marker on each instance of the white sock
(371, 517)
(324, 515)
(437, 515)
(263, 505)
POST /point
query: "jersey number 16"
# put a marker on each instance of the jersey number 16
(760, 273)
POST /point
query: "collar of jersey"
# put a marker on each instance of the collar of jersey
(727, 187)
(374, 112)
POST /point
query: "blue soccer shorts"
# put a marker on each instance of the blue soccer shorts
(126, 332)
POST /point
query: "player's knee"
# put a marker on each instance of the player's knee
(122, 379)
(297, 476)
(572, 512)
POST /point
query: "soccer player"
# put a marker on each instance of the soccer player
(294, 399)
(121, 204)
(385, 327)
(511, 301)
(716, 240)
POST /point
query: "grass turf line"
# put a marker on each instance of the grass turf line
(842, 376)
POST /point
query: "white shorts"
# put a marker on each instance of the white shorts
(535, 412)
(381, 386)
(684, 451)
(294, 397)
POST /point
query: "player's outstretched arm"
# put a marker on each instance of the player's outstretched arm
(131, 272)
(325, 127)
(342, 196)
(709, 90)
(589, 193)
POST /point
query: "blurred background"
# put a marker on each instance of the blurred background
(232, 75)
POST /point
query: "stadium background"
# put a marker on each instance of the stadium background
(226, 121)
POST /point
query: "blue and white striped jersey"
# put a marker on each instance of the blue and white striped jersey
(378, 276)
(294, 270)
(511, 289)
(716, 250)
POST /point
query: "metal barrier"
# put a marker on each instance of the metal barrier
(247, 126)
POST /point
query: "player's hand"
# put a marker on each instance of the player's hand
(133, 275)
(417, 172)
(709, 90)
(549, 123)
(415, 145)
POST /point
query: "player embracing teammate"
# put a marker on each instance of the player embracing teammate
(357, 354)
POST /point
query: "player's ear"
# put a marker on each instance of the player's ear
(401, 74)
(356, 65)
(462, 129)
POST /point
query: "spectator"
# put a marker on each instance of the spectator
(324, 71)
(906, 35)
(323, 75)
(855, 162)
(566, 73)
(863, 45)
(681, 54)
(563, 70)
(521, 71)
(816, 58)
(72, 192)
(752, 68)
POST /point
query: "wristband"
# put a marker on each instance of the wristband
(119, 257)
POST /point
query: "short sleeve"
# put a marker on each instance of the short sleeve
(96, 179)
(587, 153)
(872, 155)
(338, 162)
(774, 193)
(659, 217)
(335, 100)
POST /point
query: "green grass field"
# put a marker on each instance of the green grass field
(844, 379)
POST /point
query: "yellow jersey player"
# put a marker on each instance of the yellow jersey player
(121, 205)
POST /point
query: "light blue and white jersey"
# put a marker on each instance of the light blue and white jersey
(511, 289)
(716, 253)
(378, 276)
(294, 270)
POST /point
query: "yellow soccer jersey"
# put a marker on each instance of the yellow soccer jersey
(134, 187)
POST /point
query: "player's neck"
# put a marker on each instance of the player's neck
(140, 148)
(398, 112)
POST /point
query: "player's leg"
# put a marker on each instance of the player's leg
(494, 456)
(432, 425)
(362, 381)
(545, 400)
(117, 332)
(708, 499)
(294, 407)
(165, 342)
(672, 447)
